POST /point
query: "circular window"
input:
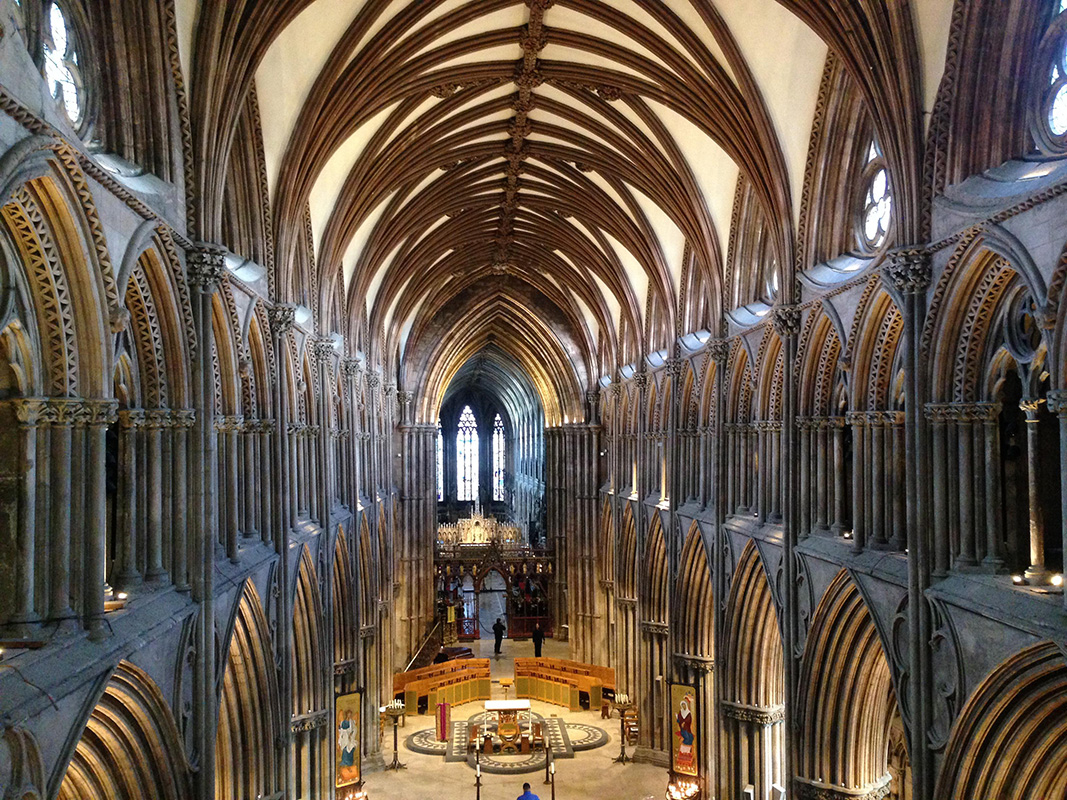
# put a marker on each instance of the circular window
(1049, 120)
(876, 208)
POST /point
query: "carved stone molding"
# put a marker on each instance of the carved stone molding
(309, 722)
(1057, 401)
(719, 350)
(759, 715)
(655, 628)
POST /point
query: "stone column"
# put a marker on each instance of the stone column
(804, 432)
(857, 419)
(821, 454)
(100, 414)
(776, 471)
(839, 525)
(964, 420)
(155, 421)
(899, 540)
(762, 471)
(1057, 404)
(29, 412)
(938, 415)
(183, 423)
(61, 420)
(250, 434)
(991, 427)
(877, 466)
(1037, 571)
(205, 269)
(129, 574)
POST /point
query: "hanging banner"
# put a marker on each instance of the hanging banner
(683, 730)
(347, 716)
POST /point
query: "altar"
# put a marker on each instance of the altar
(506, 727)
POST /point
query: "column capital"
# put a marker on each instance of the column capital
(675, 367)
(351, 368)
(322, 349)
(786, 320)
(760, 715)
(1057, 401)
(131, 418)
(281, 316)
(206, 265)
(29, 410)
(719, 350)
(908, 270)
(374, 380)
(183, 418)
(157, 418)
(640, 379)
(1031, 407)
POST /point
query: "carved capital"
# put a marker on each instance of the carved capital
(641, 380)
(675, 367)
(786, 320)
(1030, 407)
(908, 270)
(206, 266)
(374, 380)
(29, 410)
(322, 349)
(184, 418)
(351, 368)
(131, 418)
(719, 350)
(1057, 401)
(157, 419)
(281, 318)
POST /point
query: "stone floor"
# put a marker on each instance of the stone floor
(590, 774)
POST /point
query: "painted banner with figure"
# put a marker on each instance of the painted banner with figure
(684, 730)
(347, 735)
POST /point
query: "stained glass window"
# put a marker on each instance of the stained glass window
(440, 464)
(498, 458)
(467, 456)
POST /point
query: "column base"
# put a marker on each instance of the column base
(158, 576)
(646, 755)
(878, 544)
(1037, 575)
(994, 565)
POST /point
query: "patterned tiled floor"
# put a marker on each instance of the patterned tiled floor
(590, 775)
(564, 737)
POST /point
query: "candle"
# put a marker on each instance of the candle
(478, 770)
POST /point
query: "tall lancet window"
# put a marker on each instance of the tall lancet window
(440, 463)
(467, 456)
(498, 458)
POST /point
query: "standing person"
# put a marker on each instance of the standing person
(527, 794)
(498, 635)
(538, 639)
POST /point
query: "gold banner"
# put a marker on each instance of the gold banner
(347, 738)
(684, 730)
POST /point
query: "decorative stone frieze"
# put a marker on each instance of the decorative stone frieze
(759, 715)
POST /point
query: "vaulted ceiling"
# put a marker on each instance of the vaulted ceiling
(537, 179)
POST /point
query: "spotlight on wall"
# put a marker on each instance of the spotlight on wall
(1019, 580)
(1057, 580)
(846, 534)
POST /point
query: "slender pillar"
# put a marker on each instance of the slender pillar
(804, 430)
(991, 427)
(858, 420)
(100, 415)
(966, 557)
(877, 466)
(899, 540)
(154, 422)
(937, 414)
(29, 413)
(183, 424)
(821, 457)
(1036, 572)
(839, 525)
(1057, 404)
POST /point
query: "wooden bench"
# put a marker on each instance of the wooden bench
(454, 682)
(562, 682)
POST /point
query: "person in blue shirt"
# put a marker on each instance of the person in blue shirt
(527, 794)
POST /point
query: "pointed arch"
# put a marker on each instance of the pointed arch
(845, 713)
(696, 595)
(307, 656)
(1011, 739)
(245, 756)
(130, 748)
(753, 666)
(345, 622)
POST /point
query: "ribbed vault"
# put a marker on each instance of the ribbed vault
(582, 157)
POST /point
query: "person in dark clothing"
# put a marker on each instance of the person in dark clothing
(498, 635)
(538, 639)
(527, 794)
